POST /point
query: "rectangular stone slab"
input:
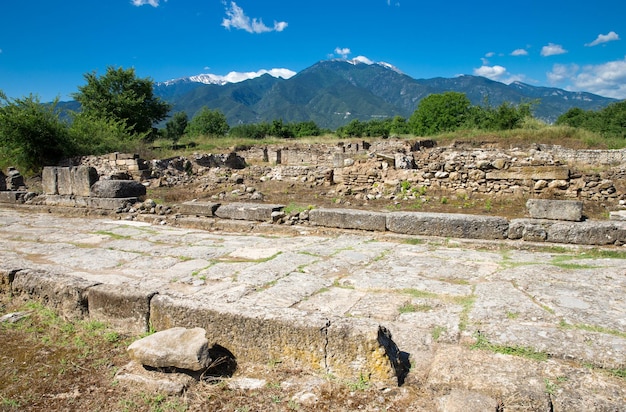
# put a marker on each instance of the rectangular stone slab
(122, 306)
(448, 225)
(66, 294)
(198, 208)
(555, 209)
(349, 219)
(247, 211)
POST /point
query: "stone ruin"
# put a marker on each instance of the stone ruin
(555, 181)
(12, 186)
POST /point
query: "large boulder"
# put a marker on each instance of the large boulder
(118, 188)
(178, 348)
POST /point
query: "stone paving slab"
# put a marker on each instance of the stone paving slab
(318, 300)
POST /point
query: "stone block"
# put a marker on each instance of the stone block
(349, 219)
(530, 230)
(299, 339)
(579, 233)
(14, 180)
(198, 208)
(134, 374)
(12, 196)
(124, 307)
(65, 294)
(109, 203)
(571, 210)
(83, 177)
(247, 211)
(448, 225)
(118, 188)
(588, 233)
(49, 180)
(64, 181)
(179, 348)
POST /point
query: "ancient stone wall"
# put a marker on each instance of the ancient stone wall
(125, 164)
(388, 166)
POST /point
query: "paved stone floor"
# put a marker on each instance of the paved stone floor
(568, 303)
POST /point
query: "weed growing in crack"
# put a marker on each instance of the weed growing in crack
(522, 351)
(437, 331)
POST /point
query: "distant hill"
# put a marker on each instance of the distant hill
(333, 92)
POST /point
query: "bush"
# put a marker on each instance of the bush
(31, 133)
(208, 122)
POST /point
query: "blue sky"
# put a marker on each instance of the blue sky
(47, 46)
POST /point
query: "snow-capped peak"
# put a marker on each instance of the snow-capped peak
(233, 77)
(365, 60)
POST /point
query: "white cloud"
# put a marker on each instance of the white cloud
(607, 79)
(519, 52)
(236, 18)
(561, 72)
(153, 3)
(603, 38)
(498, 73)
(343, 52)
(490, 72)
(552, 49)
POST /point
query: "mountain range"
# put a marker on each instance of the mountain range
(333, 92)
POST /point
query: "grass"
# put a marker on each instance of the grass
(515, 350)
(465, 301)
(592, 328)
(112, 235)
(295, 208)
(411, 307)
(231, 259)
(413, 241)
(437, 331)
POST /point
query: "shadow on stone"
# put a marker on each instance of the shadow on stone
(223, 365)
(399, 360)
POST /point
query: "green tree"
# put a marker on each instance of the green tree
(175, 127)
(609, 122)
(398, 126)
(208, 122)
(279, 129)
(31, 133)
(574, 117)
(96, 136)
(378, 128)
(439, 113)
(247, 131)
(613, 120)
(304, 129)
(120, 95)
(355, 128)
